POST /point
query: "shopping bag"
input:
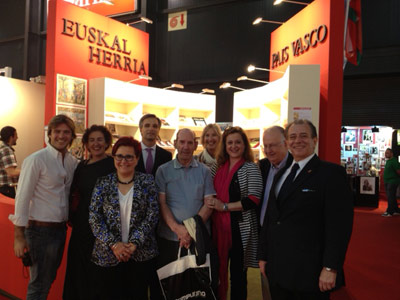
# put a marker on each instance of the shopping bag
(183, 279)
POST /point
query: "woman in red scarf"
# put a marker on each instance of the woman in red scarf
(238, 183)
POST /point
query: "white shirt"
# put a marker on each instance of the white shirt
(43, 187)
(301, 163)
(125, 204)
(144, 153)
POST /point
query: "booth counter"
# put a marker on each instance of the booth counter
(12, 273)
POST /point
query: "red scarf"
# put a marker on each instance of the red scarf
(222, 235)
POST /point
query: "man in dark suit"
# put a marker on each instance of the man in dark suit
(277, 158)
(152, 156)
(308, 224)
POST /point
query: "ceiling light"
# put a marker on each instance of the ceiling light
(251, 68)
(226, 85)
(174, 86)
(250, 79)
(142, 19)
(261, 20)
(276, 2)
(141, 77)
(209, 91)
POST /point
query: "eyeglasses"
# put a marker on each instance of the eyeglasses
(120, 157)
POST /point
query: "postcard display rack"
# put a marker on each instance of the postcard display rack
(120, 105)
(294, 96)
(363, 156)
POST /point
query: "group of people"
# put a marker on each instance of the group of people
(290, 215)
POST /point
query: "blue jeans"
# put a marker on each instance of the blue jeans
(46, 246)
(391, 189)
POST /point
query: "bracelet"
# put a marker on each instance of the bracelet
(114, 246)
(225, 208)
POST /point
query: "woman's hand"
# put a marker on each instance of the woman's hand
(122, 251)
(215, 203)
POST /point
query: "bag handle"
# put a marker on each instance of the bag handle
(179, 252)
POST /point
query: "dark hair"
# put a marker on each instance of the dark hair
(7, 132)
(129, 142)
(223, 156)
(389, 149)
(106, 133)
(302, 122)
(148, 116)
(58, 120)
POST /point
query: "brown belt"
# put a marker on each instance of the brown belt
(32, 223)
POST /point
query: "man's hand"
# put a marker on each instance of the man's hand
(183, 236)
(327, 280)
(20, 244)
(262, 264)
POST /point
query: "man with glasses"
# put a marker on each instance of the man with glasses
(277, 158)
(308, 223)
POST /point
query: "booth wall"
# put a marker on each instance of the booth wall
(22, 106)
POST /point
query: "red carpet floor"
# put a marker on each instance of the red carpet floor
(372, 266)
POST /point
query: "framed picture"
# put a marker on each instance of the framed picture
(199, 121)
(367, 185)
(350, 136)
(367, 136)
(348, 147)
(373, 150)
(71, 90)
(76, 148)
(78, 115)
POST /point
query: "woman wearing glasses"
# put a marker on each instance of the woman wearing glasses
(123, 215)
(238, 183)
(96, 140)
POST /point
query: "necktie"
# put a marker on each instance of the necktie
(149, 160)
(288, 181)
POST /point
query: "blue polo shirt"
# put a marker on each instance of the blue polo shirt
(185, 189)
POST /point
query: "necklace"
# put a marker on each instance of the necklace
(121, 182)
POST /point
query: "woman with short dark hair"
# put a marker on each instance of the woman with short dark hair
(96, 140)
(123, 215)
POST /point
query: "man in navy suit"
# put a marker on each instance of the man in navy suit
(150, 126)
(308, 224)
(277, 158)
(152, 157)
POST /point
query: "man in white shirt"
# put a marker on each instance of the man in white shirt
(308, 222)
(41, 206)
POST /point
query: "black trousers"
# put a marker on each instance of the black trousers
(279, 293)
(126, 281)
(8, 191)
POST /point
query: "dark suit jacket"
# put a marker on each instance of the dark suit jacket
(308, 229)
(264, 166)
(162, 156)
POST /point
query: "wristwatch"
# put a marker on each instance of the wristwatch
(225, 208)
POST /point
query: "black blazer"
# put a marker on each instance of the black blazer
(308, 229)
(162, 156)
(264, 166)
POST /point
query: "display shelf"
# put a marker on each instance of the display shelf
(295, 95)
(120, 105)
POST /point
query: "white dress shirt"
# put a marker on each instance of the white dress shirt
(125, 204)
(144, 153)
(43, 187)
(301, 163)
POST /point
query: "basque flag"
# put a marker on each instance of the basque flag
(353, 43)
